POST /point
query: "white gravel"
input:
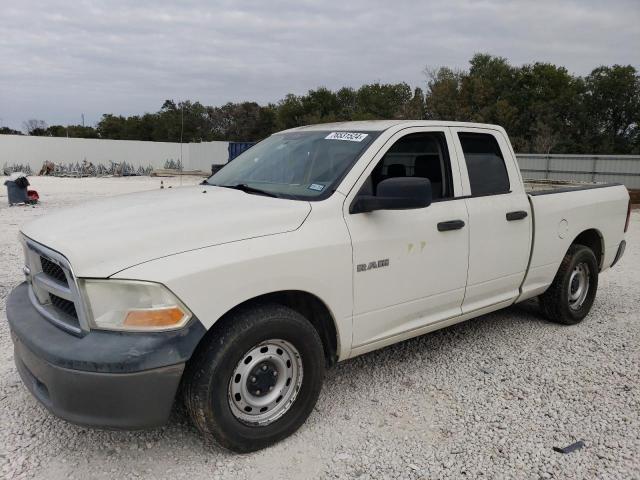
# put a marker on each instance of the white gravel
(485, 399)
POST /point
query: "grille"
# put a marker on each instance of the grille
(53, 291)
(52, 270)
(63, 305)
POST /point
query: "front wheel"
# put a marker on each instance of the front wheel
(570, 297)
(258, 378)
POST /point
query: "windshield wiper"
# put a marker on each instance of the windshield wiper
(247, 189)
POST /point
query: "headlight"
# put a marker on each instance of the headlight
(132, 305)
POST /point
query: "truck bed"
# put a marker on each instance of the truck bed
(544, 187)
(559, 219)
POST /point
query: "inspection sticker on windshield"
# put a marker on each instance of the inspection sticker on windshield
(316, 186)
(348, 136)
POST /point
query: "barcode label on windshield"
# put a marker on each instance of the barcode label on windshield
(348, 136)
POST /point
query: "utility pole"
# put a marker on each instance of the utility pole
(181, 133)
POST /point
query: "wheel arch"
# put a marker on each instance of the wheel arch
(593, 239)
(307, 304)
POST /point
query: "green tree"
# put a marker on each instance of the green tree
(320, 106)
(612, 105)
(546, 100)
(382, 101)
(245, 121)
(443, 100)
(543, 107)
(290, 112)
(415, 108)
(71, 131)
(9, 131)
(487, 89)
(111, 126)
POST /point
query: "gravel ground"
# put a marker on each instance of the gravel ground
(485, 399)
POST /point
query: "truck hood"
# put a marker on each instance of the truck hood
(105, 236)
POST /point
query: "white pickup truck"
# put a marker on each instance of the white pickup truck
(318, 244)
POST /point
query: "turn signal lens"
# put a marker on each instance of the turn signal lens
(164, 317)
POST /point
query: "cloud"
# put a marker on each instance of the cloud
(61, 58)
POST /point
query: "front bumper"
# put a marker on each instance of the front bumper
(104, 379)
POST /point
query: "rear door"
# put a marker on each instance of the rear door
(499, 217)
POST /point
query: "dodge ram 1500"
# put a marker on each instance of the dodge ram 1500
(318, 244)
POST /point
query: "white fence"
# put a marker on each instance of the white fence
(623, 169)
(34, 151)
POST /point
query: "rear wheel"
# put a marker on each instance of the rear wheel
(257, 379)
(570, 297)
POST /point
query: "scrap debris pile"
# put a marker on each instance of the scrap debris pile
(172, 164)
(7, 170)
(88, 169)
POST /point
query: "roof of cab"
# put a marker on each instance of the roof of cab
(380, 125)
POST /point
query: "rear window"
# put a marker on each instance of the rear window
(485, 164)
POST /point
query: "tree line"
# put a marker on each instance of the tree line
(543, 107)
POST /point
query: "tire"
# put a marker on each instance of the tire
(217, 401)
(565, 301)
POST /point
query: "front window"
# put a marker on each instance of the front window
(422, 155)
(304, 165)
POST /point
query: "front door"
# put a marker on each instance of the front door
(410, 266)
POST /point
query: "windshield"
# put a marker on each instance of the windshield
(299, 165)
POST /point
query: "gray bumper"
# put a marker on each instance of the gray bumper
(104, 379)
(109, 400)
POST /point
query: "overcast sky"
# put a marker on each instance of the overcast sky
(61, 58)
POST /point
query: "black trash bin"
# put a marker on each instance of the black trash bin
(17, 190)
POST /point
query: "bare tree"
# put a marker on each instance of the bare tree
(544, 139)
(34, 126)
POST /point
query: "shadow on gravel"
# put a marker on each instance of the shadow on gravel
(510, 319)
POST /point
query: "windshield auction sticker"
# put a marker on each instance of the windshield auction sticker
(348, 136)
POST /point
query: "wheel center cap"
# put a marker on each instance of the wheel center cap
(262, 379)
(575, 284)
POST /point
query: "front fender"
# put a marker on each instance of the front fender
(211, 281)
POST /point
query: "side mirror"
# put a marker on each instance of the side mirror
(398, 193)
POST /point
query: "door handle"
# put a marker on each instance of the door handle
(519, 215)
(450, 225)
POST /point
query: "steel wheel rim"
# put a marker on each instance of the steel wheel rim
(578, 286)
(257, 395)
